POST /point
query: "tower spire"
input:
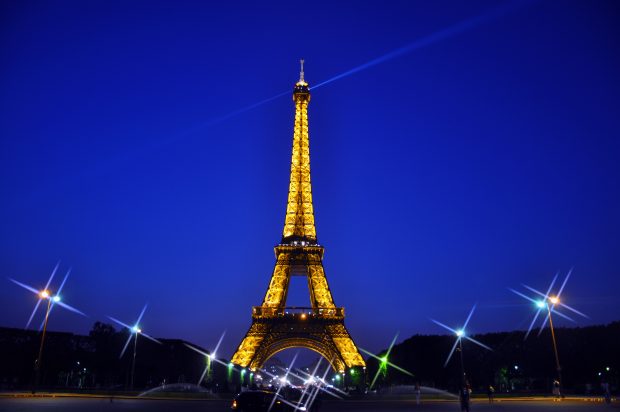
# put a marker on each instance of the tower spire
(299, 220)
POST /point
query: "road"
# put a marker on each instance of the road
(75, 404)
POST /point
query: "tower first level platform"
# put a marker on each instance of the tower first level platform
(276, 327)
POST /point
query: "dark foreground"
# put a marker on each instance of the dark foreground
(70, 404)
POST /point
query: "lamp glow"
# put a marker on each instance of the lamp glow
(52, 301)
(460, 335)
(551, 303)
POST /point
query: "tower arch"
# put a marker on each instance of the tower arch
(330, 354)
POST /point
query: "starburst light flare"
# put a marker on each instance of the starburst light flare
(322, 381)
(548, 302)
(275, 395)
(45, 294)
(211, 357)
(460, 334)
(315, 388)
(320, 387)
(36, 292)
(303, 394)
(135, 329)
(57, 300)
(383, 360)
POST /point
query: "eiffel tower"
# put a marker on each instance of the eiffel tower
(320, 327)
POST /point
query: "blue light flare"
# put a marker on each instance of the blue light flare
(460, 334)
(133, 330)
(44, 293)
(549, 302)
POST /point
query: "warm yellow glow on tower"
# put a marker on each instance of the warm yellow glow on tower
(299, 220)
(274, 326)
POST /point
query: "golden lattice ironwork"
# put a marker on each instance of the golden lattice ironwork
(320, 327)
(299, 219)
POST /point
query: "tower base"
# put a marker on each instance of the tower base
(320, 330)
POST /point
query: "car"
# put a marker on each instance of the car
(259, 401)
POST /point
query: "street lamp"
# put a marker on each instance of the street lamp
(554, 300)
(550, 302)
(134, 331)
(210, 358)
(383, 363)
(460, 335)
(52, 300)
(44, 294)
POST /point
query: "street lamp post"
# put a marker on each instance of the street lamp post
(37, 364)
(136, 330)
(458, 344)
(210, 357)
(550, 302)
(45, 294)
(459, 334)
(554, 300)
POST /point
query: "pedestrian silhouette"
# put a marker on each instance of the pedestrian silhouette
(464, 395)
(556, 391)
(417, 393)
(491, 393)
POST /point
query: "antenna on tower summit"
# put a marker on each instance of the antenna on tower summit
(301, 73)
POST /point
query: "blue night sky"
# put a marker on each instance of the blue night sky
(482, 154)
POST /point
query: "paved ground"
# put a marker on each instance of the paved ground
(104, 405)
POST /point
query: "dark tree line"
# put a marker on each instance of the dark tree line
(92, 362)
(515, 364)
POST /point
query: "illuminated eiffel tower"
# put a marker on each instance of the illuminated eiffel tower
(276, 327)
